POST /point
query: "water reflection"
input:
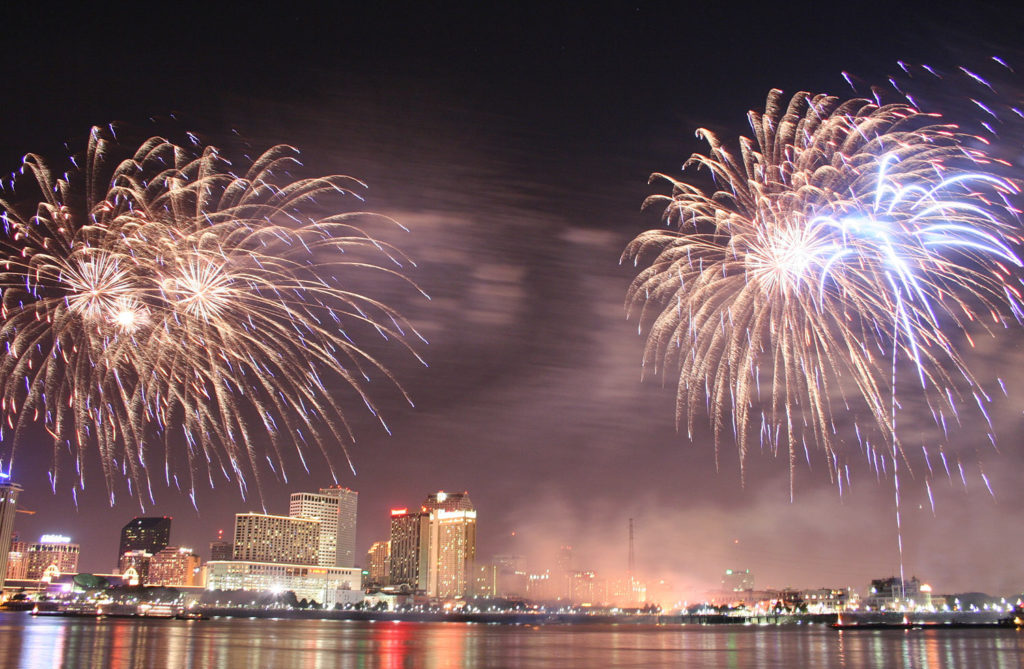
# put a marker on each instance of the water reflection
(27, 642)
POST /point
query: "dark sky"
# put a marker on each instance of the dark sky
(515, 142)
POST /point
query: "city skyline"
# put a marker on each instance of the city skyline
(517, 153)
(561, 575)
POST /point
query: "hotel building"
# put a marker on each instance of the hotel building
(278, 539)
(52, 556)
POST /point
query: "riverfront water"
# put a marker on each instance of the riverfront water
(51, 642)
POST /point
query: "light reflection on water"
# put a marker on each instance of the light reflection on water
(45, 643)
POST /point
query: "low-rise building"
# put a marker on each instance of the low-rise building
(895, 594)
(325, 585)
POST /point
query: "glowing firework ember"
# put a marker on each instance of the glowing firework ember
(844, 237)
(169, 300)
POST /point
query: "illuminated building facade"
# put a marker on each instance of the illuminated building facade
(895, 594)
(540, 587)
(17, 560)
(434, 550)
(450, 544)
(53, 553)
(325, 585)
(9, 492)
(150, 534)
(336, 508)
(828, 600)
(134, 566)
(407, 554)
(627, 591)
(485, 580)
(348, 508)
(586, 588)
(174, 566)
(277, 539)
(378, 560)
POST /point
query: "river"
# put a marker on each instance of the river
(228, 643)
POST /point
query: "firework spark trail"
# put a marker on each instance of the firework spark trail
(169, 292)
(839, 224)
(985, 98)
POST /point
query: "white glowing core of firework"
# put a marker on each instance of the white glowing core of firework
(98, 283)
(204, 288)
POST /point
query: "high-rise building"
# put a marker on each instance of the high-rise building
(52, 556)
(335, 508)
(9, 491)
(513, 580)
(586, 588)
(378, 561)
(150, 534)
(485, 580)
(348, 508)
(563, 572)
(408, 556)
(277, 539)
(450, 544)
(17, 559)
(434, 550)
(220, 549)
(174, 566)
(448, 501)
(540, 587)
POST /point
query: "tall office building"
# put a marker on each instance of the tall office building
(408, 556)
(378, 563)
(277, 539)
(450, 544)
(434, 550)
(348, 508)
(335, 508)
(150, 534)
(52, 556)
(9, 491)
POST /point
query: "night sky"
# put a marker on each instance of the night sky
(515, 142)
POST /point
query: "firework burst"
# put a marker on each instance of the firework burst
(168, 300)
(843, 237)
